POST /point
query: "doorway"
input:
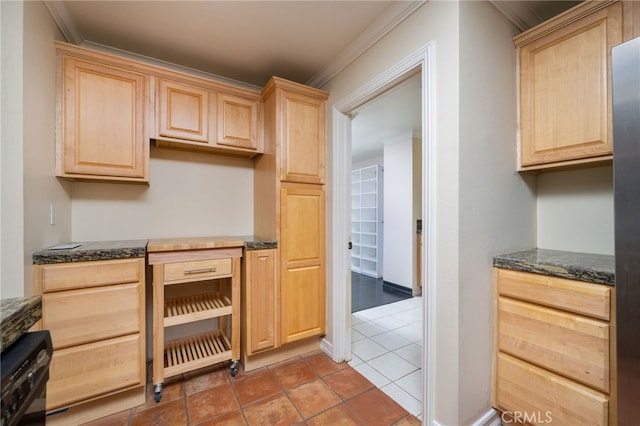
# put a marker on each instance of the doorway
(419, 62)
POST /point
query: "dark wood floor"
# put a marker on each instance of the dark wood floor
(368, 292)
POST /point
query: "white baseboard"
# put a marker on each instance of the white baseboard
(490, 418)
(327, 347)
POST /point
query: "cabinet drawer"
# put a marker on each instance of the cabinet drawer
(197, 270)
(81, 316)
(593, 300)
(83, 372)
(545, 397)
(66, 276)
(568, 344)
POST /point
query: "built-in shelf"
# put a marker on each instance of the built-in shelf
(366, 220)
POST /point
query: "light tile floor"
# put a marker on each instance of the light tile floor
(386, 348)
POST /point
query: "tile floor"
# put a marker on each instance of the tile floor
(305, 390)
(386, 348)
(368, 292)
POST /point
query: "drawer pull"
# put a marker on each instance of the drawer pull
(199, 271)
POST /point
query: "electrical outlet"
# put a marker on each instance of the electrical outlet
(52, 214)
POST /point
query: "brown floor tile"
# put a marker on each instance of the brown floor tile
(409, 421)
(118, 419)
(169, 414)
(172, 390)
(232, 419)
(323, 365)
(348, 383)
(276, 411)
(253, 386)
(292, 373)
(207, 378)
(376, 408)
(313, 397)
(337, 416)
(211, 403)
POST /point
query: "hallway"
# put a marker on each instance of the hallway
(386, 348)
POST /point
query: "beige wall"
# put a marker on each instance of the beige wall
(477, 192)
(497, 205)
(437, 22)
(575, 210)
(28, 143)
(191, 194)
(41, 188)
(11, 221)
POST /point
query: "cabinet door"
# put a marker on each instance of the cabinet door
(262, 300)
(103, 132)
(237, 122)
(302, 151)
(302, 235)
(183, 111)
(565, 90)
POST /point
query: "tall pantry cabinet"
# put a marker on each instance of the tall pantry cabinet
(289, 203)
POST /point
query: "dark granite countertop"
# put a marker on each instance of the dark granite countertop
(256, 243)
(17, 316)
(123, 249)
(92, 250)
(593, 268)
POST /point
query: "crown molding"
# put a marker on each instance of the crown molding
(386, 22)
(65, 22)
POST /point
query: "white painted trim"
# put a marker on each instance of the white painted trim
(65, 22)
(341, 257)
(490, 418)
(326, 347)
(423, 59)
(386, 22)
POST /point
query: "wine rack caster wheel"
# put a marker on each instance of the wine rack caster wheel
(158, 392)
(234, 368)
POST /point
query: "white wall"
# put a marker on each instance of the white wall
(399, 241)
(191, 194)
(575, 210)
(497, 205)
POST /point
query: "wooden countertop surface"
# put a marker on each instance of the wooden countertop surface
(193, 243)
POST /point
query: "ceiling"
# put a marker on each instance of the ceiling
(247, 42)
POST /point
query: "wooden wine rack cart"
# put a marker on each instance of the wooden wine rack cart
(192, 283)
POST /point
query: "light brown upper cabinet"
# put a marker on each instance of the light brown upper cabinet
(201, 117)
(238, 122)
(102, 131)
(565, 89)
(300, 131)
(185, 111)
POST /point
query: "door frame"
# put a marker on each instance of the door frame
(423, 60)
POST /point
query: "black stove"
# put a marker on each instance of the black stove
(25, 371)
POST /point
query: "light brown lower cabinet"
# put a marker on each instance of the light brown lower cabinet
(554, 350)
(260, 306)
(95, 312)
